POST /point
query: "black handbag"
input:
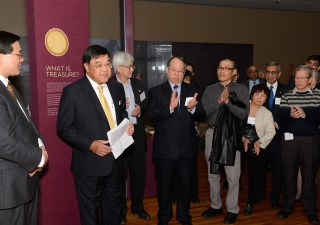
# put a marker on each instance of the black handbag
(249, 132)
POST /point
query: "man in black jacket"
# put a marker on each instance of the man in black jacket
(273, 72)
(134, 158)
(253, 74)
(174, 106)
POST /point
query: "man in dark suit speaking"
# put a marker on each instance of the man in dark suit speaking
(22, 152)
(89, 108)
(174, 106)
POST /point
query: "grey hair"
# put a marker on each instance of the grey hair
(304, 67)
(316, 75)
(273, 63)
(121, 58)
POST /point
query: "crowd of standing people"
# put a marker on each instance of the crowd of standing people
(261, 121)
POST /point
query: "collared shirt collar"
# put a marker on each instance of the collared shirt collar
(295, 90)
(257, 81)
(94, 84)
(275, 85)
(118, 79)
(4, 80)
(172, 85)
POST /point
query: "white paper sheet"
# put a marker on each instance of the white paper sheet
(119, 139)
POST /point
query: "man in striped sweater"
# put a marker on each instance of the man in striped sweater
(300, 115)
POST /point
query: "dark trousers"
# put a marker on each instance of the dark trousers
(166, 171)
(302, 151)
(134, 161)
(194, 181)
(263, 185)
(276, 167)
(256, 173)
(25, 214)
(100, 195)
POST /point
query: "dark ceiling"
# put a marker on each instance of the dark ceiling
(287, 5)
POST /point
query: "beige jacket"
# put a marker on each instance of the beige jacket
(264, 126)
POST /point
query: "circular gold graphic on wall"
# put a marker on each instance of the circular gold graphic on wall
(56, 42)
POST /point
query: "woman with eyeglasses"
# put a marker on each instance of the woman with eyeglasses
(258, 131)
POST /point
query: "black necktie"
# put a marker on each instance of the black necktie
(176, 88)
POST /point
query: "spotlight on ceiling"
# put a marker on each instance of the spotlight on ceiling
(278, 1)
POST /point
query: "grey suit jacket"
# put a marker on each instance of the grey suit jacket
(19, 152)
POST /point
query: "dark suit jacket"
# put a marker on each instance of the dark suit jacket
(19, 152)
(246, 82)
(139, 134)
(175, 133)
(281, 89)
(81, 120)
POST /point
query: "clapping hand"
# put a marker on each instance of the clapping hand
(174, 101)
(224, 96)
(193, 102)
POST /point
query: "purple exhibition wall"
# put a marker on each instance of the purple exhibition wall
(49, 73)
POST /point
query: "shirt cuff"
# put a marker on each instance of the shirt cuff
(40, 143)
(193, 110)
(42, 157)
(42, 161)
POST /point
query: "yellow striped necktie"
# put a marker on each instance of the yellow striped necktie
(106, 107)
(10, 88)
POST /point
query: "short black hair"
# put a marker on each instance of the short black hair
(178, 57)
(260, 88)
(6, 41)
(94, 51)
(190, 64)
(234, 65)
(188, 74)
(314, 57)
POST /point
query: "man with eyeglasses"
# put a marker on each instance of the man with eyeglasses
(253, 74)
(272, 73)
(174, 106)
(299, 114)
(89, 108)
(134, 157)
(214, 96)
(22, 152)
(313, 62)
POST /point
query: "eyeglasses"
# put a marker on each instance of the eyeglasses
(129, 67)
(267, 72)
(224, 68)
(252, 71)
(99, 66)
(173, 70)
(301, 78)
(19, 55)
